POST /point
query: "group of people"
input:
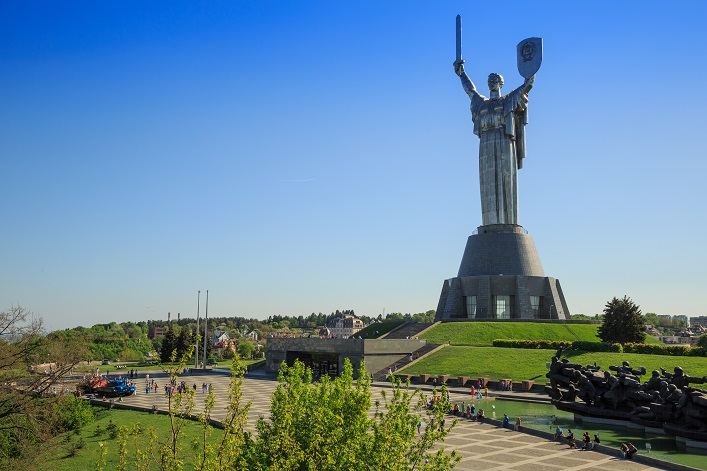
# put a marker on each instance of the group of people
(587, 443)
(476, 390)
(507, 423)
(150, 385)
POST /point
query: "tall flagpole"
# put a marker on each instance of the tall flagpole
(206, 325)
(198, 304)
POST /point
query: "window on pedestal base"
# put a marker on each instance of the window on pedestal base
(471, 307)
(502, 307)
(536, 305)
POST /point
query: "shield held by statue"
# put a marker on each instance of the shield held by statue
(530, 56)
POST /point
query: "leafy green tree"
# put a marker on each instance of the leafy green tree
(326, 426)
(31, 365)
(245, 349)
(185, 341)
(702, 341)
(428, 316)
(169, 343)
(651, 318)
(74, 413)
(623, 322)
(678, 323)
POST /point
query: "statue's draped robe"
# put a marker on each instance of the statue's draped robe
(500, 125)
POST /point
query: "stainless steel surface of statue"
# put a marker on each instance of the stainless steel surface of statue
(500, 121)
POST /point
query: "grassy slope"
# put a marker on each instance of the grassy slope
(522, 364)
(53, 456)
(484, 333)
(369, 332)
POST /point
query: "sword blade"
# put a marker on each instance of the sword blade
(459, 37)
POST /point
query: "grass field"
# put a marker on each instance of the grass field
(54, 457)
(484, 333)
(524, 364)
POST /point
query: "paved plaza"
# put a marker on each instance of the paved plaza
(482, 446)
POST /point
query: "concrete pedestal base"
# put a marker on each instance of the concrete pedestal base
(501, 265)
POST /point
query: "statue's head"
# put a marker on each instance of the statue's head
(495, 82)
(626, 364)
(678, 370)
(655, 373)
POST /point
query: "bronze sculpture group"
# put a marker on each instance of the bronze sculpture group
(665, 400)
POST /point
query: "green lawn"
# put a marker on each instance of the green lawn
(522, 364)
(53, 456)
(484, 333)
(369, 332)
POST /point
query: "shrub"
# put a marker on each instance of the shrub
(583, 346)
(616, 348)
(74, 413)
(698, 351)
(112, 429)
(74, 448)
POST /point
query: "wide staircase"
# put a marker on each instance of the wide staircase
(382, 375)
(408, 330)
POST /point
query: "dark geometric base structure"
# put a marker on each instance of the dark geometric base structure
(501, 277)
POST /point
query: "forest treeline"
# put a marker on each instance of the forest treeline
(134, 340)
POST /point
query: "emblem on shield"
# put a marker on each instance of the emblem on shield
(530, 56)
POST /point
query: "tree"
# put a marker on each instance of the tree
(702, 341)
(623, 322)
(651, 318)
(185, 342)
(326, 426)
(245, 349)
(169, 342)
(31, 364)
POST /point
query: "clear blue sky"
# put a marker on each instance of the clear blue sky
(297, 157)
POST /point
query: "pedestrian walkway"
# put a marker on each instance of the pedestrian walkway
(481, 445)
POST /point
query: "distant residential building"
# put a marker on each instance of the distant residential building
(345, 326)
(158, 331)
(685, 337)
(219, 336)
(699, 320)
(252, 335)
(651, 330)
(682, 317)
(667, 317)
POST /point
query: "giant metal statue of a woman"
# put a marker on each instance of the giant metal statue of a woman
(499, 121)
